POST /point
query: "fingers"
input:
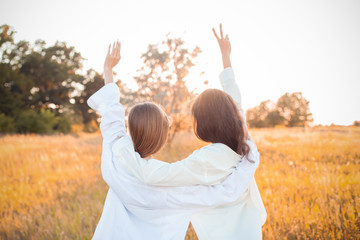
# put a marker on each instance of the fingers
(117, 52)
(108, 53)
(217, 37)
(119, 49)
(113, 53)
(221, 32)
(114, 50)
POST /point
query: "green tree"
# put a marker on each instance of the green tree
(295, 109)
(54, 73)
(6, 34)
(34, 122)
(7, 124)
(6, 39)
(290, 110)
(91, 82)
(274, 118)
(256, 116)
(14, 90)
(34, 77)
(14, 86)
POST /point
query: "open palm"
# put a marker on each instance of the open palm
(113, 56)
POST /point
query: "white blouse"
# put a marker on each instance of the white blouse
(134, 210)
(209, 165)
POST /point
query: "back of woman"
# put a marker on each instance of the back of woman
(244, 218)
(218, 119)
(134, 210)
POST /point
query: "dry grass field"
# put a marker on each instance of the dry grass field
(51, 186)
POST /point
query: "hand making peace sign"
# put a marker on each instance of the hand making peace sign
(225, 47)
(224, 43)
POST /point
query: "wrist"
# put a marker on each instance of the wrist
(108, 75)
(226, 61)
(225, 57)
(107, 69)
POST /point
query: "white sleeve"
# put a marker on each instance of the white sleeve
(192, 170)
(106, 102)
(194, 198)
(229, 85)
(187, 172)
(188, 197)
(197, 197)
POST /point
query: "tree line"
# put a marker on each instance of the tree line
(290, 110)
(43, 89)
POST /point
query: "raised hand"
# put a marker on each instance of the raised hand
(113, 56)
(225, 47)
(112, 59)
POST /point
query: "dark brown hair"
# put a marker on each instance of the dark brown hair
(148, 126)
(217, 120)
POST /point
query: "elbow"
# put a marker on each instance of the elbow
(106, 177)
(105, 173)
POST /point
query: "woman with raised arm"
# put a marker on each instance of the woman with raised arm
(219, 120)
(133, 210)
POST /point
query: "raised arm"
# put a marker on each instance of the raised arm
(191, 170)
(106, 102)
(227, 76)
(133, 192)
(225, 47)
(112, 59)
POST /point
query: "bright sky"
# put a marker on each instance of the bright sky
(312, 46)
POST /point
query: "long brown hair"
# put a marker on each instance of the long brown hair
(217, 120)
(148, 126)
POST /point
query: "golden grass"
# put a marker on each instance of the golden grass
(51, 187)
(309, 179)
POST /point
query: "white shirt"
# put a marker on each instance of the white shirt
(208, 165)
(133, 210)
(244, 218)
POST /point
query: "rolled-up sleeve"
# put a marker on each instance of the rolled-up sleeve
(106, 102)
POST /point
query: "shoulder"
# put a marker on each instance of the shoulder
(215, 154)
(124, 147)
(218, 148)
(123, 142)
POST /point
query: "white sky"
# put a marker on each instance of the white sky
(312, 46)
